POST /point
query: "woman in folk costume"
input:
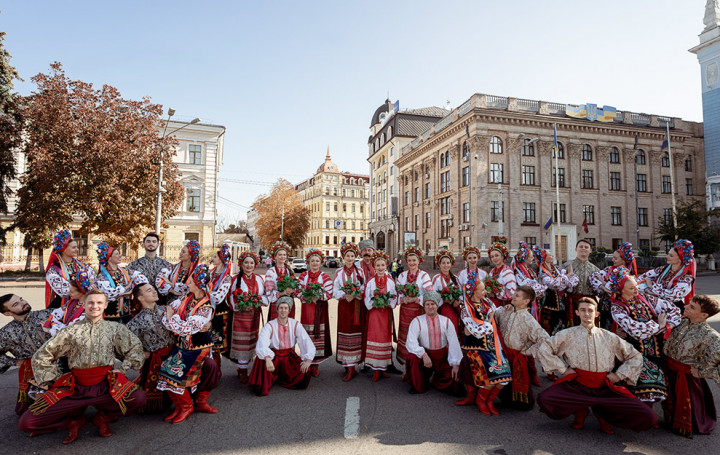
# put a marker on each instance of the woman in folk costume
(72, 310)
(180, 373)
(117, 283)
(173, 283)
(526, 276)
(277, 360)
(62, 269)
(676, 281)
(279, 252)
(380, 299)
(501, 274)
(484, 368)
(471, 256)
(553, 315)
(646, 322)
(622, 257)
(412, 281)
(444, 282)
(317, 288)
(246, 315)
(220, 282)
(348, 289)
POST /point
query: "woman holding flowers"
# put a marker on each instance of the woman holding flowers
(448, 286)
(411, 286)
(316, 289)
(348, 290)
(279, 279)
(553, 314)
(501, 281)
(380, 299)
(246, 296)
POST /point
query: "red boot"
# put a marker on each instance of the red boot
(315, 370)
(201, 403)
(74, 430)
(379, 374)
(481, 400)
(534, 379)
(186, 407)
(242, 372)
(175, 411)
(350, 373)
(101, 422)
(579, 422)
(605, 427)
(491, 398)
(469, 398)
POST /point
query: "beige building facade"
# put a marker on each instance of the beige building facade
(487, 170)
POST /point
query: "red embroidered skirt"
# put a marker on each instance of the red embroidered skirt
(408, 312)
(378, 348)
(349, 332)
(245, 329)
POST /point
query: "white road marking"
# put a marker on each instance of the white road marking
(352, 417)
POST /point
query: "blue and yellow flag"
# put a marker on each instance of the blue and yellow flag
(548, 225)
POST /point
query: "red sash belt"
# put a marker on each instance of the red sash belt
(25, 373)
(91, 376)
(520, 374)
(282, 352)
(595, 380)
(437, 354)
(682, 415)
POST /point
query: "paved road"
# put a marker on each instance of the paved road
(313, 421)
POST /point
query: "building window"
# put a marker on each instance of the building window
(445, 205)
(641, 183)
(666, 184)
(427, 191)
(496, 145)
(445, 182)
(560, 151)
(327, 240)
(352, 208)
(496, 173)
(563, 213)
(645, 245)
(614, 155)
(589, 213)
(427, 220)
(193, 200)
(417, 222)
(195, 154)
(466, 176)
(591, 241)
(362, 209)
(616, 216)
(528, 212)
(466, 152)
(667, 217)
(407, 197)
(587, 152)
(192, 236)
(616, 244)
(530, 240)
(327, 224)
(466, 212)
(561, 173)
(417, 194)
(587, 179)
(407, 223)
(615, 181)
(640, 157)
(688, 187)
(642, 216)
(344, 207)
(444, 229)
(528, 148)
(688, 164)
(496, 211)
(528, 175)
(666, 160)
(335, 206)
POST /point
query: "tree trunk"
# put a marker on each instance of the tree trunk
(28, 260)
(41, 262)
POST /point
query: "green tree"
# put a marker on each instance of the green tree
(694, 224)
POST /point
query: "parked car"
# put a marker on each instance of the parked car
(299, 265)
(331, 263)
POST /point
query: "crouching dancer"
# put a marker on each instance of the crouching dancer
(277, 361)
(91, 346)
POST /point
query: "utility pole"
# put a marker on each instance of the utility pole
(282, 225)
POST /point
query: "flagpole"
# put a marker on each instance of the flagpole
(557, 196)
(672, 178)
(637, 209)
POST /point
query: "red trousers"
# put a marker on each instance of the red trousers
(419, 376)
(287, 373)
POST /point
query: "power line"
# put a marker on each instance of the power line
(246, 182)
(228, 201)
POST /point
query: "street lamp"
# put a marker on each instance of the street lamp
(160, 190)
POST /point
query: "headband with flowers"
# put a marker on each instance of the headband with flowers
(380, 254)
(617, 278)
(469, 250)
(522, 253)
(277, 246)
(224, 253)
(248, 254)
(685, 250)
(193, 247)
(61, 241)
(348, 247)
(416, 250)
(314, 252)
(201, 276)
(501, 248)
(82, 279)
(444, 253)
(540, 254)
(104, 251)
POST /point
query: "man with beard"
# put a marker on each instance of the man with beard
(150, 264)
(21, 337)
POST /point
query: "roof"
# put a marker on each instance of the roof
(431, 111)
(385, 107)
(413, 126)
(328, 165)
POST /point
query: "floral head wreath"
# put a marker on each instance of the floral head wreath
(82, 279)
(685, 250)
(522, 253)
(444, 254)
(224, 253)
(469, 250)
(617, 278)
(314, 252)
(499, 247)
(349, 246)
(626, 252)
(277, 246)
(201, 276)
(416, 250)
(471, 285)
(248, 254)
(380, 254)
(193, 247)
(61, 241)
(104, 251)
(540, 254)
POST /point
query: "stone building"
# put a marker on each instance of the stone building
(338, 208)
(486, 169)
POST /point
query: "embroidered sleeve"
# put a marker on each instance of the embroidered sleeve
(558, 283)
(192, 325)
(369, 289)
(597, 282)
(454, 351)
(412, 343)
(423, 281)
(261, 290)
(262, 348)
(328, 285)
(507, 279)
(219, 295)
(573, 281)
(128, 348)
(525, 281)
(636, 329)
(44, 367)
(673, 313)
(271, 290)
(338, 293)
(392, 290)
(679, 291)
(710, 362)
(162, 282)
(138, 278)
(181, 289)
(475, 329)
(6, 361)
(59, 285)
(112, 292)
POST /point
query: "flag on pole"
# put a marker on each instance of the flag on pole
(555, 137)
(548, 225)
(585, 225)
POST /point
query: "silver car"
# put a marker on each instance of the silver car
(298, 265)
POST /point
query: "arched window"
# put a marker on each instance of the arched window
(389, 132)
(382, 139)
(640, 157)
(587, 152)
(496, 145)
(614, 155)
(442, 160)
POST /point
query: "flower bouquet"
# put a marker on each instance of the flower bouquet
(409, 290)
(312, 291)
(450, 294)
(244, 300)
(351, 288)
(287, 282)
(492, 285)
(381, 299)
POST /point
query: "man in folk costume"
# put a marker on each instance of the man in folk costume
(277, 361)
(586, 356)
(220, 283)
(173, 282)
(62, 268)
(522, 336)
(157, 342)
(151, 264)
(314, 314)
(247, 295)
(117, 283)
(380, 299)
(190, 368)
(445, 280)
(471, 256)
(91, 347)
(692, 355)
(21, 337)
(411, 284)
(484, 368)
(676, 281)
(502, 276)
(553, 315)
(279, 252)
(433, 350)
(72, 310)
(583, 268)
(622, 257)
(348, 289)
(367, 250)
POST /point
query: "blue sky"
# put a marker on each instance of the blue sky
(289, 78)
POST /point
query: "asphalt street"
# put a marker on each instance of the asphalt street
(322, 419)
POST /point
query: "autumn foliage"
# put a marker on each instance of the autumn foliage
(270, 208)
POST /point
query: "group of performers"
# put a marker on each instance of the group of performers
(477, 336)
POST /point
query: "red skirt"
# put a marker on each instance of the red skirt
(156, 400)
(453, 314)
(349, 332)
(378, 346)
(519, 395)
(408, 312)
(245, 328)
(287, 373)
(316, 321)
(419, 377)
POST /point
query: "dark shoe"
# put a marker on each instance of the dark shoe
(201, 404)
(365, 369)
(412, 391)
(243, 375)
(605, 427)
(74, 428)
(579, 422)
(101, 422)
